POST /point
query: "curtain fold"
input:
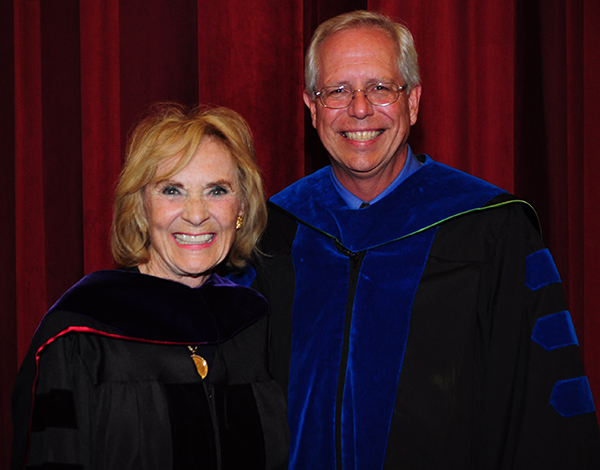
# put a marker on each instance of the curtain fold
(588, 160)
(29, 224)
(252, 61)
(100, 126)
(466, 55)
(510, 94)
(8, 318)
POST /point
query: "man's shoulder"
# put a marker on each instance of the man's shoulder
(450, 182)
(447, 178)
(432, 195)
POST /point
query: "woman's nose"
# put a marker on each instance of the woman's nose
(195, 210)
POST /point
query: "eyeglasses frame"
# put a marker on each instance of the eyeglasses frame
(319, 94)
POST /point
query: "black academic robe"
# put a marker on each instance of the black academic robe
(114, 385)
(427, 331)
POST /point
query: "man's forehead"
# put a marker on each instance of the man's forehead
(368, 52)
(358, 42)
(352, 34)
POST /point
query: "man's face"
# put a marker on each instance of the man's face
(363, 141)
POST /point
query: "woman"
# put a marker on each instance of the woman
(162, 364)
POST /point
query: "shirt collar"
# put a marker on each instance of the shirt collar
(410, 166)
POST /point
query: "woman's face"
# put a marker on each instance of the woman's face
(192, 215)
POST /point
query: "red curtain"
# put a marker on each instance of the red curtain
(509, 94)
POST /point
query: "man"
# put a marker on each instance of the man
(417, 320)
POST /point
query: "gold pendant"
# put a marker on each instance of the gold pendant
(199, 362)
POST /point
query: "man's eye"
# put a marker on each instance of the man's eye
(337, 92)
(170, 191)
(381, 87)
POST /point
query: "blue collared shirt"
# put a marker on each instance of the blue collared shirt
(410, 166)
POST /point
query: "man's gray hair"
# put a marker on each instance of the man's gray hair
(408, 64)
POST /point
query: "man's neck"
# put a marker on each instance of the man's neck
(411, 164)
(367, 186)
(365, 189)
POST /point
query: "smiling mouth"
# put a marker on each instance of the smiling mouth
(362, 136)
(186, 239)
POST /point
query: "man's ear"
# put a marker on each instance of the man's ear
(414, 98)
(312, 105)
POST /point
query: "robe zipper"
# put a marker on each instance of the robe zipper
(355, 259)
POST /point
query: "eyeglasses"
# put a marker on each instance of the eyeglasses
(378, 94)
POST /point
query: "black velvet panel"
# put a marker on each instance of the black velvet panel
(56, 466)
(191, 427)
(54, 409)
(242, 441)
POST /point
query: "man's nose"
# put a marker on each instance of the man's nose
(360, 107)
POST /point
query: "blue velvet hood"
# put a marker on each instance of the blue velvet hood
(433, 194)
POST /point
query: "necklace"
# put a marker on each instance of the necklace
(199, 362)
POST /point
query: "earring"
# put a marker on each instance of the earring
(238, 222)
(143, 228)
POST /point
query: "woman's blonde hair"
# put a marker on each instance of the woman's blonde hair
(170, 131)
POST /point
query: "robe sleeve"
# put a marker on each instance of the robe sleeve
(52, 403)
(537, 406)
(492, 377)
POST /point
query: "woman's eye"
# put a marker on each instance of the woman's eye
(170, 191)
(218, 191)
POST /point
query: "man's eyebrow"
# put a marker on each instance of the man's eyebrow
(368, 81)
